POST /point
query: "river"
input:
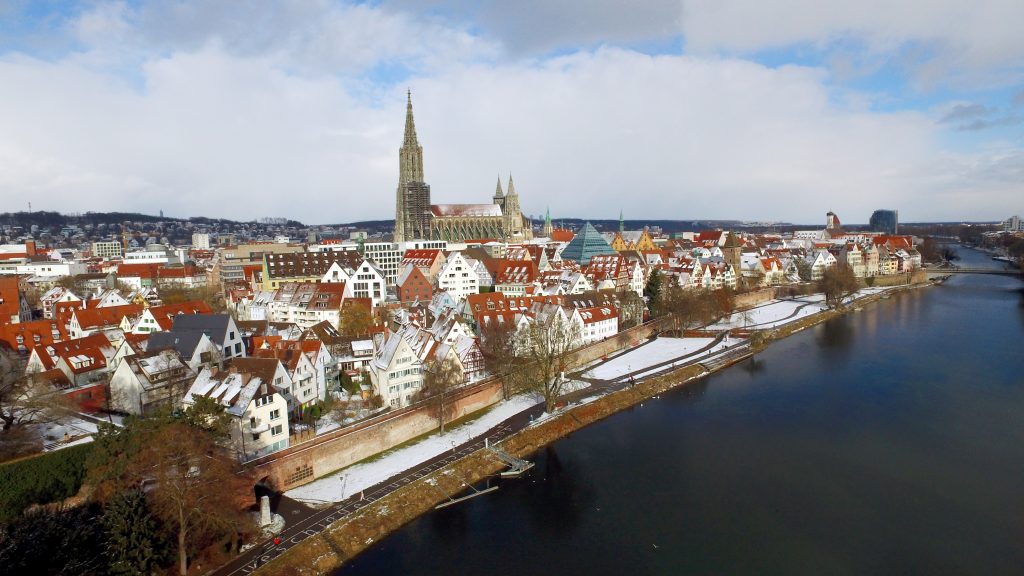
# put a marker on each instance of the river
(888, 441)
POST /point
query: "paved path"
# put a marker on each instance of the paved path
(313, 522)
(318, 521)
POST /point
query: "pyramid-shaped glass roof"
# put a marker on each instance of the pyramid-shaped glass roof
(586, 244)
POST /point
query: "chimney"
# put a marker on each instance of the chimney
(214, 370)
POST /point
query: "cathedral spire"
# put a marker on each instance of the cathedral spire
(622, 223)
(497, 191)
(511, 186)
(410, 125)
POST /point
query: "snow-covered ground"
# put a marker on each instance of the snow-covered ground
(362, 476)
(771, 315)
(574, 386)
(78, 431)
(779, 312)
(660, 350)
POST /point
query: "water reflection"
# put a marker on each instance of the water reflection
(561, 493)
(884, 442)
(754, 366)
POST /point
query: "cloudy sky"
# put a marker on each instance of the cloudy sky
(755, 110)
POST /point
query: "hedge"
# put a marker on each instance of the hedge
(41, 479)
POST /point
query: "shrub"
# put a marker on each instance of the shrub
(41, 479)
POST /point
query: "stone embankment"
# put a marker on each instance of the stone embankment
(330, 549)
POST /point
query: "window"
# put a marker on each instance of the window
(238, 348)
(275, 414)
(276, 430)
(255, 436)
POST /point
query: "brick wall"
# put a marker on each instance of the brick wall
(306, 462)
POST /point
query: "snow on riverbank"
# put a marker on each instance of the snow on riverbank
(660, 350)
(779, 312)
(362, 476)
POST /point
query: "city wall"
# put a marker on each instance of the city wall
(306, 462)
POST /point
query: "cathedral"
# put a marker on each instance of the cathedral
(417, 219)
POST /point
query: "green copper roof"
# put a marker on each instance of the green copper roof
(586, 244)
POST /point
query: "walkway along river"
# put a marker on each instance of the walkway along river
(888, 441)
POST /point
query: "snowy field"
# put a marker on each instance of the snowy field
(771, 315)
(779, 312)
(78, 431)
(660, 350)
(362, 476)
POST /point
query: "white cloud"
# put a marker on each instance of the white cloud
(942, 41)
(210, 122)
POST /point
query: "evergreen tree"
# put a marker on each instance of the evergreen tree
(134, 541)
(60, 542)
(653, 289)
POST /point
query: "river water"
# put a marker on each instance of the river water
(889, 441)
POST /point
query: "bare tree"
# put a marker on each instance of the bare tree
(189, 479)
(498, 347)
(544, 346)
(838, 282)
(25, 401)
(355, 320)
(688, 307)
(631, 309)
(440, 379)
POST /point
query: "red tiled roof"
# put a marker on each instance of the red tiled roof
(10, 297)
(164, 315)
(35, 333)
(146, 271)
(562, 235)
(69, 348)
(110, 316)
(516, 272)
(598, 314)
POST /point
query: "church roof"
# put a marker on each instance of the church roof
(466, 210)
(585, 245)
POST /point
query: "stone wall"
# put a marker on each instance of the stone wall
(306, 462)
(311, 460)
(755, 297)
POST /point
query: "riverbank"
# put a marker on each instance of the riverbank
(343, 540)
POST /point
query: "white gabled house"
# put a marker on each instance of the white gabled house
(253, 392)
(599, 323)
(145, 382)
(396, 371)
(458, 277)
(820, 260)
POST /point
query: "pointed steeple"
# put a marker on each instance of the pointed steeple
(497, 190)
(547, 223)
(410, 125)
(622, 223)
(511, 186)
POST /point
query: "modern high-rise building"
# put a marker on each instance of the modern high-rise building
(887, 221)
(1013, 224)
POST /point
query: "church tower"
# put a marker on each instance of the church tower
(412, 198)
(548, 229)
(499, 195)
(510, 209)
